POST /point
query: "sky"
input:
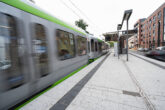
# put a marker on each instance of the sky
(101, 15)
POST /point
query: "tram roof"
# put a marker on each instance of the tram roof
(33, 9)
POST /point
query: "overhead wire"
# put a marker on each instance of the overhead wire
(70, 8)
(79, 10)
(82, 13)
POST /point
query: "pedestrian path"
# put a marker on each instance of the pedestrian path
(110, 88)
(108, 83)
(48, 99)
(151, 78)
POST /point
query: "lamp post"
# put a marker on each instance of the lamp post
(118, 28)
(126, 17)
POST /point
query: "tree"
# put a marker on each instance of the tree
(80, 23)
(32, 1)
(111, 43)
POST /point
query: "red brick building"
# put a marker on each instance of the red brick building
(138, 37)
(151, 31)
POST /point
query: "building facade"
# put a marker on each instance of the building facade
(151, 31)
(131, 42)
(138, 37)
(111, 36)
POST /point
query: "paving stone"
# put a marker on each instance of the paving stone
(104, 91)
(107, 86)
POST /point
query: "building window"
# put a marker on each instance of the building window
(153, 32)
(150, 29)
(153, 25)
(150, 21)
(164, 23)
(40, 50)
(159, 15)
(82, 45)
(154, 18)
(65, 45)
(159, 31)
(11, 52)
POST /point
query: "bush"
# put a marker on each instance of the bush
(111, 43)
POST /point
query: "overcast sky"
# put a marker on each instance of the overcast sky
(101, 15)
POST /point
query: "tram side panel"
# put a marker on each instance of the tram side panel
(35, 62)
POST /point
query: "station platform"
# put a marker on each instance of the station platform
(108, 83)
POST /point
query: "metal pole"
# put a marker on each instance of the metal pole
(127, 41)
(118, 45)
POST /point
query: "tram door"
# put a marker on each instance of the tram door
(39, 52)
(11, 53)
(39, 49)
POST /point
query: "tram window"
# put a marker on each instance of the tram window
(40, 50)
(11, 57)
(72, 45)
(65, 44)
(96, 46)
(82, 45)
(100, 46)
(92, 45)
(104, 46)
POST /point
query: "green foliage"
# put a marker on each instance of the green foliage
(111, 43)
(80, 23)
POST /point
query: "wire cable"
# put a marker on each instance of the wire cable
(83, 14)
(69, 8)
(95, 27)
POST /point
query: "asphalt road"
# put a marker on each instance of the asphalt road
(138, 52)
(142, 53)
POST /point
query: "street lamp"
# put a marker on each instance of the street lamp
(126, 17)
(118, 28)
